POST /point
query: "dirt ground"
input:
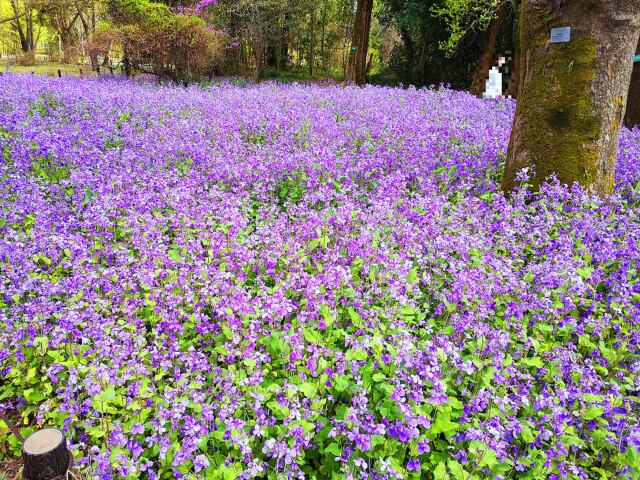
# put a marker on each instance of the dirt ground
(10, 468)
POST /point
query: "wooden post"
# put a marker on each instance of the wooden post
(59, 73)
(45, 455)
(80, 72)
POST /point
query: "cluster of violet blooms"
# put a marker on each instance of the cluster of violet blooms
(295, 281)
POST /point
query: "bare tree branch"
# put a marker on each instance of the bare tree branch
(11, 19)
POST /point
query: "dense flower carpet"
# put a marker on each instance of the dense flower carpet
(299, 281)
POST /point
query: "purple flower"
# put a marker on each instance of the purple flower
(137, 429)
(252, 268)
(200, 462)
(414, 465)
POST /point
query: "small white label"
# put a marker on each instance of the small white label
(560, 35)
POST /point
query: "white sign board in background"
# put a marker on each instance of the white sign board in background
(560, 35)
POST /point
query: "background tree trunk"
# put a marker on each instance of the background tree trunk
(512, 85)
(572, 95)
(632, 116)
(360, 42)
(312, 39)
(24, 34)
(487, 58)
(323, 56)
(88, 32)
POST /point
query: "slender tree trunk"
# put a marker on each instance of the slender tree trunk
(312, 39)
(284, 41)
(93, 18)
(29, 21)
(409, 46)
(572, 95)
(360, 42)
(272, 55)
(345, 56)
(234, 55)
(420, 67)
(487, 57)
(632, 116)
(323, 36)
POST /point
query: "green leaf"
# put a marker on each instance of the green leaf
(309, 389)
(489, 458)
(341, 383)
(413, 275)
(249, 362)
(41, 342)
(334, 449)
(174, 255)
(585, 272)
(593, 412)
(533, 362)
(327, 315)
(572, 440)
(32, 396)
(527, 434)
(356, 319)
(451, 307)
(443, 424)
(440, 472)
(456, 470)
(358, 355)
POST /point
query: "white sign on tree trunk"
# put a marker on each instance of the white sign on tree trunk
(560, 35)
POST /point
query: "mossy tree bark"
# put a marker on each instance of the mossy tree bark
(571, 96)
(356, 70)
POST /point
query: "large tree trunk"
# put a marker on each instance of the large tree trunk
(67, 46)
(572, 95)
(65, 32)
(632, 117)
(360, 42)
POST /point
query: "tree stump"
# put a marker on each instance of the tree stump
(45, 455)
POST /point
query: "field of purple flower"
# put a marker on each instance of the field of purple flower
(308, 282)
